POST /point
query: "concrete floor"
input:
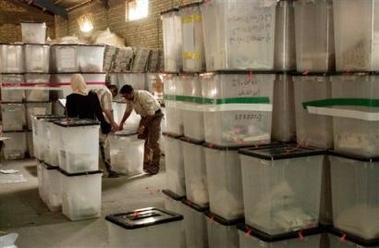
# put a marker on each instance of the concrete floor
(23, 212)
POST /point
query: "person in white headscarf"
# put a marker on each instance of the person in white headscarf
(84, 104)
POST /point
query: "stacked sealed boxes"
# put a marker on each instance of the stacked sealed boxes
(355, 37)
(68, 59)
(172, 41)
(221, 233)
(136, 80)
(237, 108)
(314, 36)
(46, 150)
(172, 89)
(79, 164)
(175, 176)
(140, 59)
(315, 59)
(12, 107)
(283, 118)
(33, 32)
(340, 111)
(62, 82)
(353, 162)
(173, 202)
(195, 172)
(239, 35)
(36, 86)
(312, 129)
(193, 57)
(195, 224)
(155, 85)
(109, 57)
(123, 60)
(24, 72)
(49, 186)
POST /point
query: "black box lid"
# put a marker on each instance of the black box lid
(223, 221)
(278, 237)
(281, 152)
(347, 236)
(143, 217)
(85, 173)
(353, 156)
(172, 135)
(192, 141)
(76, 122)
(49, 167)
(172, 195)
(194, 206)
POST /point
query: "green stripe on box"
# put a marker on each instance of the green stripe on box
(363, 102)
(200, 100)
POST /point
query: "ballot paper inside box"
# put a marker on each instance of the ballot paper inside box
(81, 194)
(354, 194)
(281, 187)
(78, 147)
(195, 172)
(175, 176)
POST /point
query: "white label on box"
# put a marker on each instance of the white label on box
(238, 107)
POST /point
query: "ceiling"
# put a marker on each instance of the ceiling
(60, 7)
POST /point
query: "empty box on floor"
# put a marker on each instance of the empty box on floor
(126, 153)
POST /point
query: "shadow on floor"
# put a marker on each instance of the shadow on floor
(32, 169)
(27, 210)
(112, 183)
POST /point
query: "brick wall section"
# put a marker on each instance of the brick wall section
(146, 32)
(12, 12)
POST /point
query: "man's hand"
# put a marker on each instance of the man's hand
(120, 126)
(115, 127)
(141, 130)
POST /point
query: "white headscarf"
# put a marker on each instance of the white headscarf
(78, 84)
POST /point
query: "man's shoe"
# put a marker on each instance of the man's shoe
(152, 169)
(113, 174)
